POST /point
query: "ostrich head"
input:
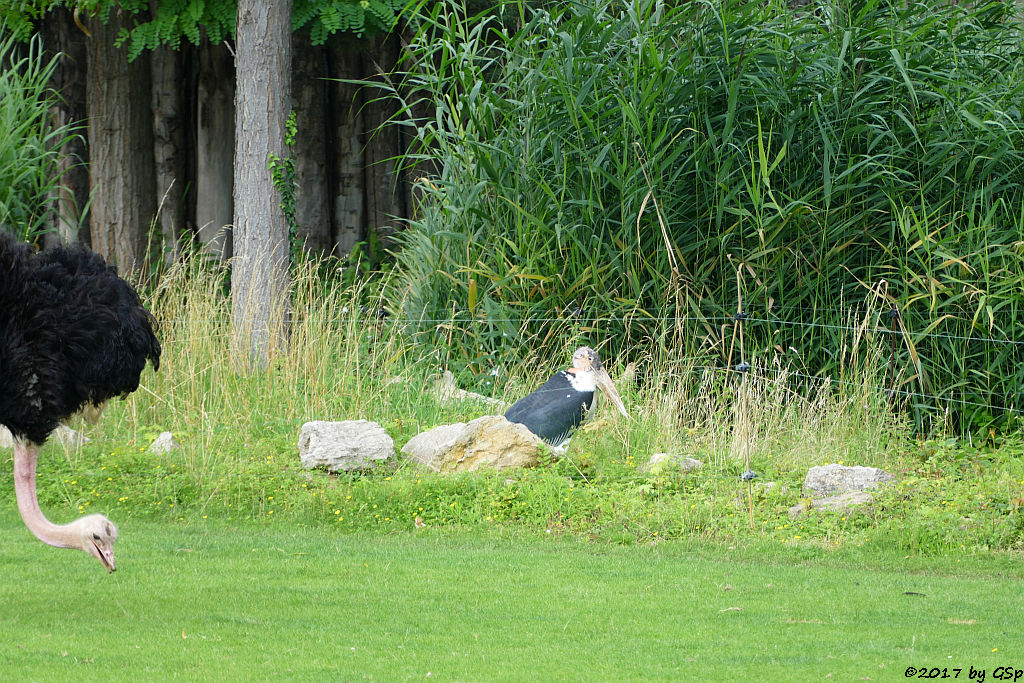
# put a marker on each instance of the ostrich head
(96, 536)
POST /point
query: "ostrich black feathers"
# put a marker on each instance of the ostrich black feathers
(71, 332)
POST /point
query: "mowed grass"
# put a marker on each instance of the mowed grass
(281, 601)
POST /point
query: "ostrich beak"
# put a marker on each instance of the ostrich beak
(607, 387)
(104, 554)
(108, 561)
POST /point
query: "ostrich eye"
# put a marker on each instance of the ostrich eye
(96, 536)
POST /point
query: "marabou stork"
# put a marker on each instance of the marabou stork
(560, 405)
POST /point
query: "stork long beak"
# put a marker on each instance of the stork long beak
(607, 387)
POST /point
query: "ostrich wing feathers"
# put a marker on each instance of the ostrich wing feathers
(71, 332)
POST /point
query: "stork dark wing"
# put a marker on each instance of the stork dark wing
(553, 411)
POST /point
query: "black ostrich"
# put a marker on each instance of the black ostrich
(72, 335)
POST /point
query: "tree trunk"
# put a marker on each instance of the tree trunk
(349, 213)
(422, 167)
(215, 150)
(259, 271)
(169, 146)
(309, 95)
(384, 189)
(61, 37)
(120, 148)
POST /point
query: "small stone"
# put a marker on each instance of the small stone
(660, 463)
(163, 444)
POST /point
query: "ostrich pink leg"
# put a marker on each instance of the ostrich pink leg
(25, 455)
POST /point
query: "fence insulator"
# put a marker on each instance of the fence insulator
(743, 367)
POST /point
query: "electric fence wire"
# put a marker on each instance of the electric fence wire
(757, 369)
(482, 320)
(713, 319)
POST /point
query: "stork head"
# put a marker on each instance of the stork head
(97, 535)
(586, 360)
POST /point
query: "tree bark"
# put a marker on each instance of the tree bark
(120, 147)
(259, 271)
(422, 167)
(215, 150)
(349, 208)
(384, 190)
(169, 147)
(309, 95)
(61, 37)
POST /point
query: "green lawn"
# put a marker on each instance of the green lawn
(281, 602)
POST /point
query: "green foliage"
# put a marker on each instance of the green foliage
(29, 145)
(173, 20)
(366, 262)
(282, 172)
(357, 17)
(629, 159)
(17, 19)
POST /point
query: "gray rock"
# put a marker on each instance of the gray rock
(841, 502)
(162, 444)
(489, 441)
(663, 462)
(829, 480)
(344, 446)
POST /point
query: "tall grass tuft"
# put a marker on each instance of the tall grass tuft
(238, 432)
(601, 170)
(238, 429)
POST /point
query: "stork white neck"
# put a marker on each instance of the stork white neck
(582, 380)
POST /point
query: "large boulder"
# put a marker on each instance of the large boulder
(829, 480)
(344, 446)
(427, 448)
(489, 441)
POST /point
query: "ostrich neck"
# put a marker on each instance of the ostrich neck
(61, 536)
